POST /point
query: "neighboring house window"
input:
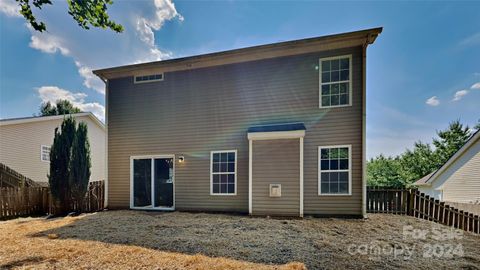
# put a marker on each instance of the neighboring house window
(335, 170)
(45, 153)
(336, 81)
(223, 178)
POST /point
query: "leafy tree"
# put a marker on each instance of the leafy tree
(417, 163)
(47, 109)
(477, 126)
(85, 12)
(66, 107)
(405, 169)
(80, 164)
(384, 172)
(61, 107)
(69, 164)
(60, 154)
(450, 140)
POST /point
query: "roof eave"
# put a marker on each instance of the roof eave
(362, 37)
(473, 139)
(16, 121)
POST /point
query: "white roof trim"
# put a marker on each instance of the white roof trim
(15, 121)
(272, 135)
(475, 137)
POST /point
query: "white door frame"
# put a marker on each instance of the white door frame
(294, 134)
(152, 158)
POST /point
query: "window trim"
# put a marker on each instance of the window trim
(349, 146)
(41, 153)
(211, 173)
(148, 81)
(350, 97)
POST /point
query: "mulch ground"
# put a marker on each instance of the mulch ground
(177, 240)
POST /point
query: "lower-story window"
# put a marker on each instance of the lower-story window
(334, 170)
(223, 177)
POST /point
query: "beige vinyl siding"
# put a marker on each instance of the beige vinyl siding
(20, 147)
(276, 162)
(196, 111)
(460, 182)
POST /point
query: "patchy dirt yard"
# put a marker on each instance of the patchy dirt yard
(133, 239)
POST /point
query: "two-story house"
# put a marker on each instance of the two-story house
(277, 129)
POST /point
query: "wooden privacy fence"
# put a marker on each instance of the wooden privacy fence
(27, 201)
(394, 201)
(412, 202)
(24, 201)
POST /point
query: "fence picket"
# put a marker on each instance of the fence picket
(16, 202)
(409, 202)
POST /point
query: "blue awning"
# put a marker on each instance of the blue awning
(277, 127)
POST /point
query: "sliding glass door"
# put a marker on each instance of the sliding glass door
(152, 182)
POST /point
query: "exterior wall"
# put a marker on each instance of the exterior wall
(436, 194)
(20, 147)
(276, 162)
(196, 111)
(460, 182)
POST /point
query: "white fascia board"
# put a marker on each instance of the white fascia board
(294, 134)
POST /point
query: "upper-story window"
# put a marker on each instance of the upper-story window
(336, 81)
(45, 153)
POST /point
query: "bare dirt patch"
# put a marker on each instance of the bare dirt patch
(133, 239)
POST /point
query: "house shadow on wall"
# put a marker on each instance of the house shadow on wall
(242, 238)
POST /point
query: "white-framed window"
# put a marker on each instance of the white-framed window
(335, 170)
(223, 172)
(335, 81)
(45, 153)
(148, 78)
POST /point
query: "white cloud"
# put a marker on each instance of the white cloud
(164, 11)
(459, 95)
(54, 93)
(101, 48)
(47, 43)
(90, 80)
(471, 40)
(10, 8)
(475, 86)
(433, 101)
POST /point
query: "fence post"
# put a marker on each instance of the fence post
(441, 213)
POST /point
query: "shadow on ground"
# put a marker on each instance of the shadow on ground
(318, 243)
(25, 262)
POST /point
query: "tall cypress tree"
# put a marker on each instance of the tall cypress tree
(80, 164)
(60, 154)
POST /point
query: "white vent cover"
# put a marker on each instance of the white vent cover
(275, 190)
(149, 78)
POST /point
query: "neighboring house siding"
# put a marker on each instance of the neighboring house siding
(276, 162)
(436, 194)
(460, 182)
(20, 147)
(196, 111)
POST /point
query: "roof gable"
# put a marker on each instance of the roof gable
(430, 178)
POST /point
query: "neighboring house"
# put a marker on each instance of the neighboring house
(458, 180)
(276, 129)
(25, 144)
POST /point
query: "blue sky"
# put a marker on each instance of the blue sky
(422, 72)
